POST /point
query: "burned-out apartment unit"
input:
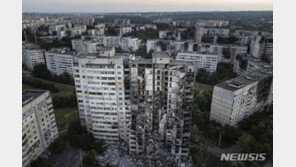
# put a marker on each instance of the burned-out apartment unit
(161, 96)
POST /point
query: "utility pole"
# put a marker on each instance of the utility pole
(220, 137)
(25, 35)
(80, 156)
(35, 38)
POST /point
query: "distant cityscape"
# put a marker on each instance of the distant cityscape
(146, 89)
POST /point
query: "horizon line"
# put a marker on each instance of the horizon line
(201, 11)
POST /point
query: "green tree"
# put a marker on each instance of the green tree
(39, 162)
(230, 135)
(89, 160)
(58, 146)
(193, 133)
(245, 142)
(40, 71)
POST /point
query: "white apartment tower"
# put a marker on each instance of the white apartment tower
(39, 127)
(32, 55)
(202, 60)
(99, 82)
(59, 61)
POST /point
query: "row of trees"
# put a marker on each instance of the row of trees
(260, 137)
(78, 139)
(41, 71)
(142, 51)
(40, 84)
(64, 100)
(144, 35)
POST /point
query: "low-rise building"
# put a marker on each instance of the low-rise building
(97, 31)
(39, 127)
(202, 60)
(124, 30)
(85, 46)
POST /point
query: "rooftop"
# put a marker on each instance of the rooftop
(242, 81)
(30, 46)
(30, 95)
(65, 51)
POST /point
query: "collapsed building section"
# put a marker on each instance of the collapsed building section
(161, 104)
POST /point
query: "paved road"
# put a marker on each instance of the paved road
(70, 158)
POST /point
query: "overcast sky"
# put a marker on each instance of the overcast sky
(143, 5)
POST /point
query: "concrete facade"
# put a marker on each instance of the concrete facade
(32, 55)
(39, 127)
(240, 97)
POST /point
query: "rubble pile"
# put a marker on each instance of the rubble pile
(117, 155)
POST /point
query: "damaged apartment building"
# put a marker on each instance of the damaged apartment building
(161, 97)
(238, 98)
(144, 102)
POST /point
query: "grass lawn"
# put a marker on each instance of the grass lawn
(26, 87)
(62, 115)
(65, 115)
(62, 87)
(200, 88)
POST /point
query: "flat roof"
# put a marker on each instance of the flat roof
(31, 46)
(30, 95)
(242, 81)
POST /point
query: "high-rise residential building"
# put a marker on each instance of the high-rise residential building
(262, 48)
(202, 60)
(39, 127)
(240, 97)
(60, 60)
(245, 64)
(100, 89)
(161, 97)
(141, 101)
(122, 22)
(198, 33)
(32, 55)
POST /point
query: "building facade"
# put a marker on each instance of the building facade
(99, 82)
(161, 96)
(59, 61)
(240, 97)
(32, 55)
(39, 127)
(85, 46)
(206, 61)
